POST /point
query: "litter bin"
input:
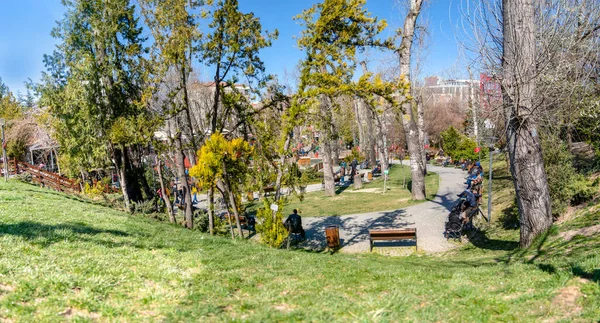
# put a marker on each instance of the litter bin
(332, 234)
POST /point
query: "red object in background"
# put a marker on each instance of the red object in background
(426, 146)
(477, 149)
(316, 155)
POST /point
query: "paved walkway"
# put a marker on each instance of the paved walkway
(428, 217)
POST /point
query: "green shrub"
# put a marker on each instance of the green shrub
(24, 177)
(354, 154)
(201, 223)
(566, 186)
(310, 175)
(144, 207)
(583, 191)
(94, 190)
(16, 148)
(272, 232)
(459, 146)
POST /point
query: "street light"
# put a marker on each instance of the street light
(490, 142)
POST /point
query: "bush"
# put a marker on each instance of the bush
(16, 148)
(354, 154)
(94, 190)
(583, 191)
(24, 177)
(459, 146)
(272, 231)
(144, 207)
(201, 223)
(310, 175)
(566, 186)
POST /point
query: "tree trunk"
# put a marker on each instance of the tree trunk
(328, 176)
(326, 136)
(122, 167)
(421, 126)
(286, 147)
(215, 108)
(372, 157)
(211, 210)
(232, 204)
(336, 152)
(164, 195)
(370, 116)
(183, 180)
(221, 187)
(527, 167)
(359, 121)
(385, 159)
(189, 123)
(411, 129)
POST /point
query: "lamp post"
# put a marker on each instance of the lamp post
(4, 160)
(490, 142)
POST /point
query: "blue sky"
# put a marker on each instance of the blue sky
(25, 27)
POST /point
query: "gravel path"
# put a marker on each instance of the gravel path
(428, 218)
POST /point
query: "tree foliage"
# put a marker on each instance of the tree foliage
(271, 229)
(219, 154)
(458, 146)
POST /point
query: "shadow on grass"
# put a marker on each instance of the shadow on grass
(45, 235)
(480, 240)
(340, 189)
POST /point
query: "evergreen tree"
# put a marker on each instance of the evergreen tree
(334, 31)
(94, 88)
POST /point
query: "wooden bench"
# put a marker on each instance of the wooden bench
(304, 162)
(392, 234)
(231, 218)
(268, 190)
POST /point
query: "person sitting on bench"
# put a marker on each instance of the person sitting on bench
(475, 173)
(469, 206)
(294, 224)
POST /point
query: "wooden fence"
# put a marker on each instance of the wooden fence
(43, 177)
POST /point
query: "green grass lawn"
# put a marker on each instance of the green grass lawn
(368, 199)
(62, 258)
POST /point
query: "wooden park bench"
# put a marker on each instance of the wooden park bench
(392, 234)
(269, 190)
(304, 162)
(231, 217)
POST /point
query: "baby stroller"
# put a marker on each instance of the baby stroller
(454, 225)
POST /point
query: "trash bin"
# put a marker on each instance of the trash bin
(332, 234)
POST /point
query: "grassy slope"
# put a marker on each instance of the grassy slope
(60, 257)
(368, 199)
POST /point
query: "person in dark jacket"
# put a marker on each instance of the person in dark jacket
(469, 206)
(294, 224)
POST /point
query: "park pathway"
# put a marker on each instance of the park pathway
(428, 217)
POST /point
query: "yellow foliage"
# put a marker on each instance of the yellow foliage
(217, 153)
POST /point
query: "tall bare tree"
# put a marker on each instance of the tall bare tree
(518, 87)
(410, 115)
